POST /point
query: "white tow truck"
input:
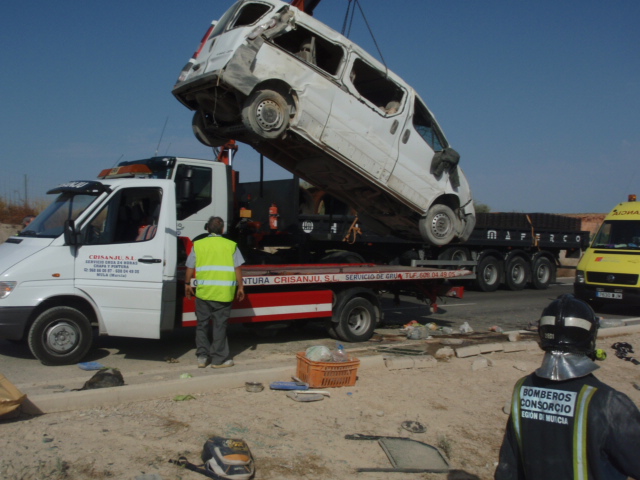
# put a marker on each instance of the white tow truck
(109, 254)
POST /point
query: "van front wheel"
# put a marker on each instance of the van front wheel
(266, 114)
(60, 336)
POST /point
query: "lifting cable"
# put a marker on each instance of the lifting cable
(349, 18)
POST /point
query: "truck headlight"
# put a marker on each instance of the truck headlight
(6, 288)
(579, 276)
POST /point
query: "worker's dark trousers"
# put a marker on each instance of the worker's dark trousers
(218, 313)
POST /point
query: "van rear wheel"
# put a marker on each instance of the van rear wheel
(266, 114)
(60, 336)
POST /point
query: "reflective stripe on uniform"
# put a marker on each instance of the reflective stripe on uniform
(515, 413)
(580, 465)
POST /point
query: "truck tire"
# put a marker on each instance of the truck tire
(204, 136)
(488, 274)
(517, 273)
(266, 114)
(357, 320)
(543, 272)
(439, 226)
(458, 254)
(60, 336)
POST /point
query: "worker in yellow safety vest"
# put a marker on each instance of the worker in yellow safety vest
(564, 422)
(216, 262)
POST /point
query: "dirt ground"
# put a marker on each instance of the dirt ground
(461, 408)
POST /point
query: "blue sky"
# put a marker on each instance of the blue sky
(541, 99)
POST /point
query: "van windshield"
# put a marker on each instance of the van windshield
(618, 234)
(50, 223)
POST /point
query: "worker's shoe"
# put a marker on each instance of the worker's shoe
(203, 361)
(225, 364)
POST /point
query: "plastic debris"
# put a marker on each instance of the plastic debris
(466, 328)
(186, 375)
(318, 353)
(413, 426)
(91, 366)
(183, 398)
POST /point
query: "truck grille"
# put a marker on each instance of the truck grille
(612, 278)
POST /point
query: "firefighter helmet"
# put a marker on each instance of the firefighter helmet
(568, 325)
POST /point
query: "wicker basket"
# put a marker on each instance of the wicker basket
(327, 374)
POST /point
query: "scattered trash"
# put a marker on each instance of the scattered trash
(514, 337)
(224, 458)
(186, 375)
(496, 328)
(171, 360)
(413, 426)
(339, 355)
(10, 398)
(446, 330)
(481, 362)
(417, 333)
(91, 366)
(444, 353)
(466, 328)
(47, 440)
(318, 353)
(623, 350)
(305, 396)
(109, 377)
(253, 387)
(406, 455)
(289, 386)
(600, 354)
(183, 398)
(636, 386)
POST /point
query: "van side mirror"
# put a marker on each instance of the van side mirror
(70, 233)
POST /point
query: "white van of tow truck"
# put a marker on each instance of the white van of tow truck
(110, 255)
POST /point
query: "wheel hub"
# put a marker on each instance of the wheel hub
(359, 320)
(440, 226)
(61, 337)
(269, 115)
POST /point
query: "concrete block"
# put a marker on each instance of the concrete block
(444, 353)
(491, 347)
(469, 351)
(425, 361)
(399, 362)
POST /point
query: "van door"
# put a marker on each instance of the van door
(121, 262)
(366, 120)
(420, 138)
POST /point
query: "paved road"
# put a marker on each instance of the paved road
(138, 357)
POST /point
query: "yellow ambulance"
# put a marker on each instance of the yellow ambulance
(609, 270)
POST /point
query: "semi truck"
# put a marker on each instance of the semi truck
(609, 270)
(109, 254)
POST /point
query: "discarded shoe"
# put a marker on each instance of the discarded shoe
(203, 361)
(225, 364)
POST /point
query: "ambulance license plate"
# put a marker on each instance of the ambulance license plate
(615, 296)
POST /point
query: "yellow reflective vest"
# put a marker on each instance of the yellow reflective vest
(215, 271)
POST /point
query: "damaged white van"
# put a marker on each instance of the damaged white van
(321, 107)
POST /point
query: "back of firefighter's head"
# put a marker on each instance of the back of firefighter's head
(568, 325)
(215, 225)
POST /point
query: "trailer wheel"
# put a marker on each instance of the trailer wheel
(458, 254)
(439, 226)
(266, 114)
(543, 272)
(488, 274)
(60, 336)
(198, 124)
(517, 273)
(357, 320)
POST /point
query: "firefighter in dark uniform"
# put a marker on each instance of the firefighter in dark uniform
(566, 424)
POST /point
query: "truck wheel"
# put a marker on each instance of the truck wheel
(439, 226)
(543, 272)
(203, 134)
(60, 336)
(457, 254)
(517, 273)
(266, 114)
(357, 320)
(488, 274)
(331, 329)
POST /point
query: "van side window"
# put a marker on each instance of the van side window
(312, 48)
(198, 193)
(426, 128)
(250, 14)
(130, 216)
(374, 86)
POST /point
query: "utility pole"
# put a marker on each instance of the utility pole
(26, 198)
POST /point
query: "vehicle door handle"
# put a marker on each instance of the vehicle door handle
(150, 260)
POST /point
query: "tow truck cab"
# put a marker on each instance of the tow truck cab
(609, 271)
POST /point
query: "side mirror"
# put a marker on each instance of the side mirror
(70, 233)
(185, 186)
